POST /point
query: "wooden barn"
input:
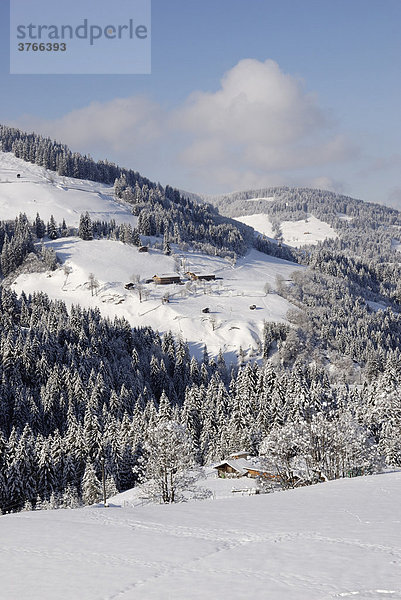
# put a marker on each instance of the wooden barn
(200, 276)
(206, 277)
(242, 467)
(166, 279)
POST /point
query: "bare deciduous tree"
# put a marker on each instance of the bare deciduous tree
(93, 284)
(67, 271)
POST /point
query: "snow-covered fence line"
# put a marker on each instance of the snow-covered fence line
(245, 491)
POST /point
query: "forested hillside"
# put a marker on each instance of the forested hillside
(159, 210)
(363, 228)
(76, 387)
(322, 401)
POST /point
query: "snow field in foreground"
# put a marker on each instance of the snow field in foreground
(333, 540)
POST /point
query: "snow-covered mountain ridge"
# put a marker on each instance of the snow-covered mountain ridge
(229, 324)
(294, 215)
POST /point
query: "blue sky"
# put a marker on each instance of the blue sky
(241, 94)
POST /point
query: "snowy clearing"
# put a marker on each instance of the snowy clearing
(229, 323)
(44, 192)
(333, 540)
(396, 245)
(265, 198)
(344, 217)
(294, 233)
(260, 222)
(307, 231)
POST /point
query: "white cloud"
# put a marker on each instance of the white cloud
(261, 127)
(120, 124)
(256, 103)
(260, 119)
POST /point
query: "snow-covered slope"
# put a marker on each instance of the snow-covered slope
(334, 540)
(260, 222)
(44, 192)
(306, 231)
(294, 233)
(230, 322)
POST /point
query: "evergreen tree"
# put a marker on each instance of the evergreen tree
(166, 244)
(40, 228)
(91, 486)
(85, 229)
(52, 229)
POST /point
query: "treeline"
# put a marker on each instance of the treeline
(375, 280)
(17, 242)
(166, 212)
(52, 155)
(296, 203)
(338, 326)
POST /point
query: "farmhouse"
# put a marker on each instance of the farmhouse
(166, 278)
(242, 467)
(200, 276)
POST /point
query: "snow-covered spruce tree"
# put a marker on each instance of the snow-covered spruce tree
(40, 227)
(166, 461)
(52, 229)
(111, 488)
(49, 257)
(166, 244)
(389, 413)
(91, 486)
(3, 484)
(85, 230)
(70, 497)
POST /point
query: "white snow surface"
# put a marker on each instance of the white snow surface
(260, 222)
(230, 322)
(344, 217)
(41, 191)
(306, 231)
(333, 540)
(294, 233)
(265, 198)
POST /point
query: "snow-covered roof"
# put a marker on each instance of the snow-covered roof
(234, 464)
(241, 465)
